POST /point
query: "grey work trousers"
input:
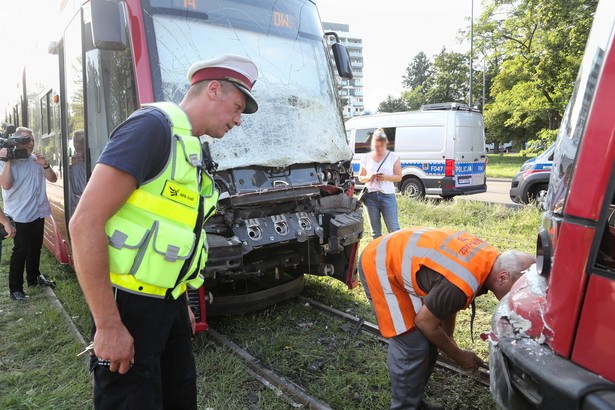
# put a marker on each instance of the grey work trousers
(411, 360)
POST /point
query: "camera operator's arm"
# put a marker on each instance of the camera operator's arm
(6, 177)
(50, 174)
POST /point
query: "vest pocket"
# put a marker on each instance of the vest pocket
(126, 241)
(168, 249)
(197, 264)
(188, 158)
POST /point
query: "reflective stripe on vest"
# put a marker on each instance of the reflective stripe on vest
(390, 265)
(153, 248)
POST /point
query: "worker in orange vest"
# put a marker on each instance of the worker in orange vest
(417, 279)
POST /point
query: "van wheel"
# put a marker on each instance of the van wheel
(538, 195)
(412, 188)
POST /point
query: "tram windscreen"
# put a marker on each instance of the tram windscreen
(298, 120)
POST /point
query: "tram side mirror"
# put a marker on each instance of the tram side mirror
(543, 253)
(342, 59)
(108, 25)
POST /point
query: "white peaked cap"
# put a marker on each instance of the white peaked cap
(240, 71)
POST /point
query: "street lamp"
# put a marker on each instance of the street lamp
(471, 48)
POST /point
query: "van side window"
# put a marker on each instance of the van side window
(363, 139)
(605, 259)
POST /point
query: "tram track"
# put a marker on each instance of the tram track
(294, 394)
(481, 376)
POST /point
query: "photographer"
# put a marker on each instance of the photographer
(25, 199)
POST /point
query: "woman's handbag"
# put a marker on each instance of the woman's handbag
(363, 194)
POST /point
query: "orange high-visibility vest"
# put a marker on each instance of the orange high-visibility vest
(390, 264)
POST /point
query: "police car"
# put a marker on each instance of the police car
(441, 147)
(532, 181)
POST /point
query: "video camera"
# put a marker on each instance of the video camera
(8, 142)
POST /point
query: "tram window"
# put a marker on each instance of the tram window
(111, 93)
(16, 116)
(44, 117)
(47, 114)
(73, 74)
(606, 252)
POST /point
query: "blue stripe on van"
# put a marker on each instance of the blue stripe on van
(429, 168)
(469, 168)
(438, 168)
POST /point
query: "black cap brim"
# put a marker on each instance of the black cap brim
(251, 105)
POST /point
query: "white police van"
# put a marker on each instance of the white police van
(441, 147)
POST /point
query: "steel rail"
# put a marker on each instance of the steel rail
(297, 393)
(481, 376)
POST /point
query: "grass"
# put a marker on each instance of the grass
(506, 165)
(39, 368)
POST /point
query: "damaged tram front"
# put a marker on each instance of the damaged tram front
(285, 179)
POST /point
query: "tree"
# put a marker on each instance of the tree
(448, 80)
(538, 46)
(444, 80)
(417, 72)
(392, 104)
(414, 98)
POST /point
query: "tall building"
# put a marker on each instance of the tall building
(350, 91)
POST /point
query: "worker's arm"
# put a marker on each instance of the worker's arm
(432, 328)
(396, 177)
(6, 177)
(107, 191)
(448, 325)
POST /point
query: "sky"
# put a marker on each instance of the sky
(393, 32)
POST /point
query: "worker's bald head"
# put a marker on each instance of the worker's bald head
(507, 269)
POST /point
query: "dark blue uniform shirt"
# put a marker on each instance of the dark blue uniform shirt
(140, 146)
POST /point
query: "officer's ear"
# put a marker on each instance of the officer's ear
(214, 90)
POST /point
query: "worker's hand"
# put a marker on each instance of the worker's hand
(10, 230)
(192, 321)
(3, 153)
(115, 344)
(467, 359)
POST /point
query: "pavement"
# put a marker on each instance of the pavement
(497, 192)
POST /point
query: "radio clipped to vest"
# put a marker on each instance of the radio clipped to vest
(156, 241)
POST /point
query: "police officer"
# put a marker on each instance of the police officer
(417, 279)
(138, 241)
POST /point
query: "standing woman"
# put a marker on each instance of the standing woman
(379, 170)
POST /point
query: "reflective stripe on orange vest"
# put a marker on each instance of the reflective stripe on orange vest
(390, 265)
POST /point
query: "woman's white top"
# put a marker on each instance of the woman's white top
(386, 187)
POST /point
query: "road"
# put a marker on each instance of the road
(497, 192)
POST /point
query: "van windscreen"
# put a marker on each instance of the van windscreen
(363, 139)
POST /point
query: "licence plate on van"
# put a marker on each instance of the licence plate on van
(464, 180)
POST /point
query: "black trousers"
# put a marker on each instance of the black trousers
(163, 375)
(26, 253)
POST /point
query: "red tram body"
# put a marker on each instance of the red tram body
(551, 343)
(283, 211)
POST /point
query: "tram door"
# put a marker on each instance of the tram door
(100, 92)
(74, 133)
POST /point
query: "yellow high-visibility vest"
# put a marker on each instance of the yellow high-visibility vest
(154, 246)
